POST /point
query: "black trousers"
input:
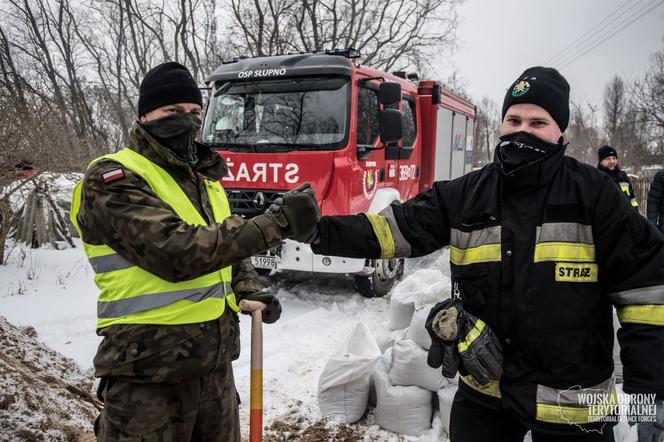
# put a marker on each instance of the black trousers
(473, 421)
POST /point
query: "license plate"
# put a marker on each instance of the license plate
(264, 262)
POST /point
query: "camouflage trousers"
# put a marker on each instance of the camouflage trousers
(204, 409)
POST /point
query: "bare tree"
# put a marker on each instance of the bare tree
(488, 131)
(583, 133)
(649, 102)
(391, 35)
(614, 108)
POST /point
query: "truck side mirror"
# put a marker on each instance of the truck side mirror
(389, 93)
(390, 125)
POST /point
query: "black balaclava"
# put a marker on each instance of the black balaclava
(521, 148)
(176, 133)
(544, 87)
(171, 83)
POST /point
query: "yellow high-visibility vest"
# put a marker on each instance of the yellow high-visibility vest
(132, 295)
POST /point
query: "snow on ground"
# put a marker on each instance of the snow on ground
(53, 291)
(43, 395)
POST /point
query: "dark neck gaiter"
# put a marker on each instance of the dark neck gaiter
(613, 173)
(521, 148)
(177, 134)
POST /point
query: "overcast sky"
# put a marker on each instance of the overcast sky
(501, 38)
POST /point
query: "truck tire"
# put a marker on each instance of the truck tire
(381, 281)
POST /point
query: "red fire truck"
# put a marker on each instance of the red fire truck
(363, 139)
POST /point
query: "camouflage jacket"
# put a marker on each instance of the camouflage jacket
(127, 216)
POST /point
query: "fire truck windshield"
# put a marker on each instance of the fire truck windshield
(279, 115)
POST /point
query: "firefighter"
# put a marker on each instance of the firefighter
(542, 248)
(656, 201)
(608, 163)
(171, 263)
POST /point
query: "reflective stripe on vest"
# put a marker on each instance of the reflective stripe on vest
(132, 295)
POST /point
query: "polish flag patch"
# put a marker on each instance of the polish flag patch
(113, 175)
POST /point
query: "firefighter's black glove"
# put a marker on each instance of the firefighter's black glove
(443, 350)
(297, 213)
(653, 431)
(480, 351)
(271, 313)
(459, 338)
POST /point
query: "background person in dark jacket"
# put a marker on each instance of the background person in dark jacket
(542, 248)
(656, 201)
(608, 163)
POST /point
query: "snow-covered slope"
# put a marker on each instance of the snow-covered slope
(43, 395)
(53, 291)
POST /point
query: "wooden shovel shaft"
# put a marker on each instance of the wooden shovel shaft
(256, 392)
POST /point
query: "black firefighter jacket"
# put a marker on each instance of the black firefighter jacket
(621, 180)
(656, 201)
(542, 255)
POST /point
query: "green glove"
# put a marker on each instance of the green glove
(297, 213)
(273, 310)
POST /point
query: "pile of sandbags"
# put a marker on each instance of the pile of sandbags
(405, 385)
(394, 364)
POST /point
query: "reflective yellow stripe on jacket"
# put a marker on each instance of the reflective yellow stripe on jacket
(475, 247)
(564, 242)
(132, 295)
(643, 305)
(571, 406)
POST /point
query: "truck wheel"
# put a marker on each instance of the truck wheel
(381, 281)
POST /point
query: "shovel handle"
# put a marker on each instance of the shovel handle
(256, 379)
(251, 306)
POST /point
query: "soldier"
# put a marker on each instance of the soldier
(541, 248)
(171, 263)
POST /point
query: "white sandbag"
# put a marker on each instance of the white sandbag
(423, 287)
(404, 410)
(384, 364)
(343, 387)
(445, 399)
(409, 367)
(386, 338)
(401, 312)
(416, 330)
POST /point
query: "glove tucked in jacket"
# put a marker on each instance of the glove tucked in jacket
(459, 340)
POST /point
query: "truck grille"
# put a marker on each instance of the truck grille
(250, 203)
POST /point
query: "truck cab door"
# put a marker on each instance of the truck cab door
(371, 164)
(408, 163)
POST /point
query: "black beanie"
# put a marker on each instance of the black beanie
(606, 151)
(544, 87)
(168, 83)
